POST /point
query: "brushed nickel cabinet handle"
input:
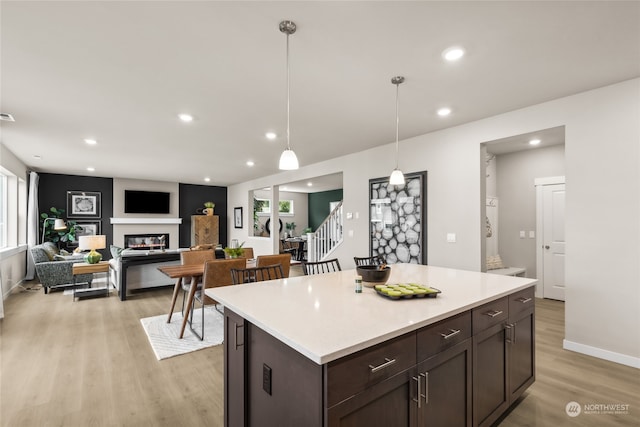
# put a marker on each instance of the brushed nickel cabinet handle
(509, 328)
(388, 362)
(417, 379)
(523, 300)
(453, 333)
(236, 337)
(493, 313)
(426, 388)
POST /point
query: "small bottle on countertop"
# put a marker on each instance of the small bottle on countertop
(358, 284)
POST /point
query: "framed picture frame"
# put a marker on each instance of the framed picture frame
(88, 228)
(84, 204)
(398, 219)
(237, 217)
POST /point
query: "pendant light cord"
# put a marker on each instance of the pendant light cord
(397, 121)
(288, 95)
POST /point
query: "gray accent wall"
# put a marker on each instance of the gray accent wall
(515, 175)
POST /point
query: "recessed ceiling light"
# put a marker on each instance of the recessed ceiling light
(207, 179)
(250, 163)
(443, 112)
(91, 169)
(271, 135)
(91, 141)
(309, 184)
(534, 142)
(37, 156)
(185, 117)
(453, 53)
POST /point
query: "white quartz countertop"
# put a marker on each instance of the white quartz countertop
(324, 319)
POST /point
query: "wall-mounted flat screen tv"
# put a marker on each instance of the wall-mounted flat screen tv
(151, 202)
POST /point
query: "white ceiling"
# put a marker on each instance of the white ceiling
(120, 72)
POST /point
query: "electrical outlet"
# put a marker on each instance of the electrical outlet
(266, 378)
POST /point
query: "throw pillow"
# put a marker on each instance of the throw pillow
(116, 252)
(494, 262)
(50, 249)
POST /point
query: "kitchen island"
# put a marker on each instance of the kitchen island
(310, 351)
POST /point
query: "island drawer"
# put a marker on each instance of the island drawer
(521, 301)
(489, 314)
(354, 373)
(440, 336)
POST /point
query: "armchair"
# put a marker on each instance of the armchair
(54, 269)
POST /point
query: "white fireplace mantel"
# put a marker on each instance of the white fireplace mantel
(146, 220)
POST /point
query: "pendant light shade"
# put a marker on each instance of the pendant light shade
(397, 177)
(288, 159)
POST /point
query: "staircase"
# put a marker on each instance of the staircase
(327, 237)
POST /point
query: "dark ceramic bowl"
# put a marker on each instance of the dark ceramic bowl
(372, 275)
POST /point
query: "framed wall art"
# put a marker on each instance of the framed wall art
(88, 228)
(83, 204)
(237, 217)
(398, 219)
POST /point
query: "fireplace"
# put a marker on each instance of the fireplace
(147, 242)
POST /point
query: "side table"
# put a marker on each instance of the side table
(85, 268)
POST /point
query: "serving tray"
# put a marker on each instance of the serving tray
(406, 291)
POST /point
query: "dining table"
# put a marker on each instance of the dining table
(299, 243)
(194, 272)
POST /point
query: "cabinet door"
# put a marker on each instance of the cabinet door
(234, 369)
(490, 364)
(390, 403)
(521, 345)
(446, 388)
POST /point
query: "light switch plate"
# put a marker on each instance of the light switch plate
(532, 234)
(451, 237)
(522, 234)
(349, 215)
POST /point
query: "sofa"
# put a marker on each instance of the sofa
(55, 268)
(142, 275)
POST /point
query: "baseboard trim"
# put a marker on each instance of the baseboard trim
(611, 356)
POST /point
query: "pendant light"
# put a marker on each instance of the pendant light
(288, 159)
(397, 178)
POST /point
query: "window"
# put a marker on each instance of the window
(263, 207)
(4, 201)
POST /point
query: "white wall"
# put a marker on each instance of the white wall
(516, 173)
(602, 161)
(13, 260)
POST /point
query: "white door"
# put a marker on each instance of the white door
(552, 242)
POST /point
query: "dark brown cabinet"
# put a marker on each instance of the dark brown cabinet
(235, 361)
(503, 354)
(462, 371)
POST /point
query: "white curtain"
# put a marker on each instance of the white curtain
(32, 222)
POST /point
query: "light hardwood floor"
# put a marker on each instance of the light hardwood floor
(88, 363)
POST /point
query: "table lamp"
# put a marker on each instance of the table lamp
(92, 242)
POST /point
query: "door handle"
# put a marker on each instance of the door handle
(426, 388)
(546, 246)
(418, 380)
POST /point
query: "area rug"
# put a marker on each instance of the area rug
(163, 336)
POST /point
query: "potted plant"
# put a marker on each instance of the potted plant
(59, 237)
(290, 226)
(234, 252)
(209, 208)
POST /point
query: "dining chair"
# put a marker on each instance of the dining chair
(283, 259)
(193, 257)
(256, 274)
(321, 267)
(216, 273)
(371, 260)
(288, 248)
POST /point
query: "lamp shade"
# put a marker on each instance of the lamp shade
(396, 178)
(92, 242)
(288, 160)
(59, 224)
